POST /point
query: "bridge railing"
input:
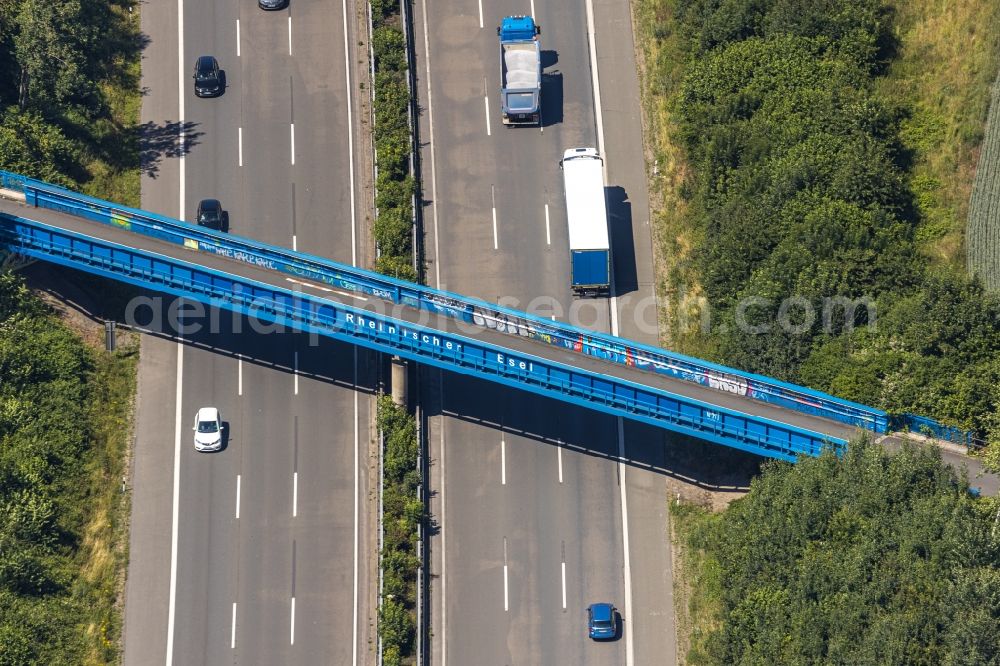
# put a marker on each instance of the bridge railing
(451, 352)
(475, 311)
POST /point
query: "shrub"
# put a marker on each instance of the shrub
(389, 47)
(401, 513)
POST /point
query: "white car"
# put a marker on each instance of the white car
(207, 430)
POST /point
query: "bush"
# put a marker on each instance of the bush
(799, 188)
(393, 144)
(394, 193)
(50, 445)
(389, 47)
(393, 233)
(397, 267)
(865, 559)
(402, 512)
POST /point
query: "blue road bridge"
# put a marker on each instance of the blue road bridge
(453, 332)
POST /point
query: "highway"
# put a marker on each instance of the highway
(533, 512)
(261, 553)
(645, 455)
(258, 554)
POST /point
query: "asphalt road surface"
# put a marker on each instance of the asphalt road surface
(257, 554)
(531, 529)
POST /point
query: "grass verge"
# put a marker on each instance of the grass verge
(947, 60)
(661, 60)
(103, 554)
(697, 587)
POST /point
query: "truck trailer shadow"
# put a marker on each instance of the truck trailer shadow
(622, 241)
(552, 90)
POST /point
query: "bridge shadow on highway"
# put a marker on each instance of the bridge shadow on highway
(688, 460)
(704, 465)
(221, 332)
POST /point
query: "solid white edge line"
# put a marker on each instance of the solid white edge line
(503, 462)
(564, 585)
(239, 483)
(629, 649)
(548, 233)
(239, 142)
(295, 494)
(289, 35)
(598, 111)
(237, 38)
(291, 634)
(532, 8)
(486, 102)
(295, 373)
(232, 639)
(430, 128)
(444, 536)
(591, 39)
(350, 168)
(172, 603)
(293, 143)
(357, 473)
(181, 86)
(239, 374)
(175, 504)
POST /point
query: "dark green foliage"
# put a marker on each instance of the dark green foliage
(58, 64)
(800, 191)
(402, 513)
(389, 47)
(397, 266)
(857, 28)
(394, 186)
(44, 399)
(30, 146)
(870, 559)
(393, 230)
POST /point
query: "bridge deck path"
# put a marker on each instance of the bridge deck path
(989, 483)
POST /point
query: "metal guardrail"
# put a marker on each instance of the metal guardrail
(604, 346)
(432, 347)
(12, 181)
(609, 348)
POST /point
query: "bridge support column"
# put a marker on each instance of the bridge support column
(398, 381)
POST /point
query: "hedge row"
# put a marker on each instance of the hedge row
(402, 512)
(394, 185)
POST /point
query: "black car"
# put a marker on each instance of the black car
(209, 80)
(272, 4)
(211, 215)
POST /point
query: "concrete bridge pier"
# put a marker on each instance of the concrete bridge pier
(398, 381)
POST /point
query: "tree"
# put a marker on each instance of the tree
(873, 558)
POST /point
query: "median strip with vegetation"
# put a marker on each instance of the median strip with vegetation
(394, 184)
(402, 513)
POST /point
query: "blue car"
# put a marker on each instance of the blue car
(601, 621)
